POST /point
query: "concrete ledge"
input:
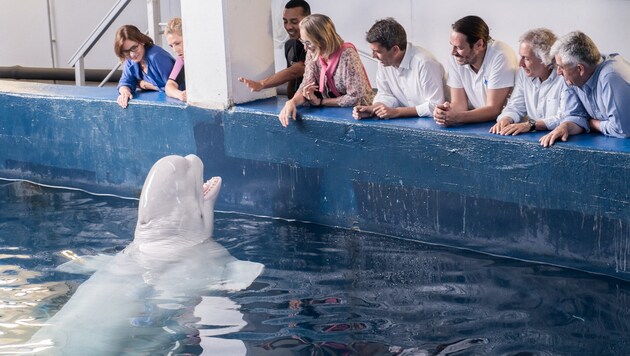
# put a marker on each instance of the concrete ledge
(463, 187)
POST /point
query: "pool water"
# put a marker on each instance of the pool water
(324, 291)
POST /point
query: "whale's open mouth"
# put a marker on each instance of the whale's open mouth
(211, 188)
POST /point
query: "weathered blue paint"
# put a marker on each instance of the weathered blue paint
(462, 187)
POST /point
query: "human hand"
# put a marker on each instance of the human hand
(144, 85)
(441, 113)
(308, 92)
(500, 125)
(123, 99)
(361, 111)
(253, 85)
(288, 111)
(561, 132)
(515, 129)
(182, 96)
(385, 112)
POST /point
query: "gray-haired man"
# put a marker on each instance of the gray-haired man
(601, 83)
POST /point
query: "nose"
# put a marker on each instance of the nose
(454, 51)
(374, 54)
(559, 70)
(522, 62)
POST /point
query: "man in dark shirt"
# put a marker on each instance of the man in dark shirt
(294, 52)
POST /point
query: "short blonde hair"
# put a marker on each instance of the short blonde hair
(321, 30)
(174, 26)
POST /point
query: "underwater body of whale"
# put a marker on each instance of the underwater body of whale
(162, 274)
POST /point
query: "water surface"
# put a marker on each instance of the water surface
(324, 291)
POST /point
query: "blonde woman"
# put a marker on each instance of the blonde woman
(176, 85)
(146, 65)
(334, 74)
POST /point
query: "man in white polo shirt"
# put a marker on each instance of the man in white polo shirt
(410, 81)
(481, 75)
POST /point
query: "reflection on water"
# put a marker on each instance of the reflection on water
(324, 291)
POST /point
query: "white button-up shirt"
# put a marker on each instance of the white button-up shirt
(535, 99)
(419, 81)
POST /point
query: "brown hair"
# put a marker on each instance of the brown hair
(129, 32)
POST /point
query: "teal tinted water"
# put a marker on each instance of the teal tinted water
(324, 291)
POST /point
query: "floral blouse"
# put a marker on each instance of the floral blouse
(350, 78)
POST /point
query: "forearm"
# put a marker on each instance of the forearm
(291, 73)
(407, 111)
(171, 88)
(482, 114)
(298, 99)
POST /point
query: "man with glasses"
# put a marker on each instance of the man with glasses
(602, 84)
(409, 79)
(294, 52)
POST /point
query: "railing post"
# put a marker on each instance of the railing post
(153, 21)
(79, 72)
(79, 55)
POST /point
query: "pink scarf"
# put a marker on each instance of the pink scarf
(329, 67)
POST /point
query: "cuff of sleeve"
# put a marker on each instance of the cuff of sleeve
(513, 116)
(425, 110)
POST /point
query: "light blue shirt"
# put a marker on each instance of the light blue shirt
(606, 97)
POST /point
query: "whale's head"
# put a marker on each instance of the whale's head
(176, 207)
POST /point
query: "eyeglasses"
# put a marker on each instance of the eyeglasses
(306, 44)
(133, 49)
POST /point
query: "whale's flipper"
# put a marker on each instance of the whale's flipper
(239, 274)
(85, 264)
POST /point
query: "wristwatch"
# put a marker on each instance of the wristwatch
(319, 95)
(532, 125)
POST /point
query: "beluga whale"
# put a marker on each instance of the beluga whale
(168, 272)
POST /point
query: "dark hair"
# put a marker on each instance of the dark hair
(306, 8)
(474, 28)
(129, 32)
(388, 33)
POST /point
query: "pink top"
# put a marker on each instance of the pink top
(179, 64)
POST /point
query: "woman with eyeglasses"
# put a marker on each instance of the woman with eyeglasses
(146, 65)
(334, 74)
(176, 85)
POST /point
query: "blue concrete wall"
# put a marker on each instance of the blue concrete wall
(462, 187)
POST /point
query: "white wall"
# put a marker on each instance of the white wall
(26, 36)
(24, 24)
(428, 22)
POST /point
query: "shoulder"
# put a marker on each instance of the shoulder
(349, 52)
(615, 66)
(421, 56)
(156, 51)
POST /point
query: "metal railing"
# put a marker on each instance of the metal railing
(79, 55)
(77, 60)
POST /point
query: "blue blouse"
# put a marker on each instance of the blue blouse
(159, 66)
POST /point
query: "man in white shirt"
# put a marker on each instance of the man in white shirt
(409, 79)
(538, 89)
(481, 75)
